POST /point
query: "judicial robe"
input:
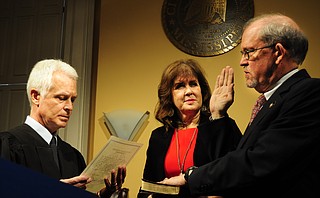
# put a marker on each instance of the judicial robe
(25, 146)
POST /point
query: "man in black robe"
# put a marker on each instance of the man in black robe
(52, 90)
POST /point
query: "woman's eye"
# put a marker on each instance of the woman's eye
(193, 84)
(178, 86)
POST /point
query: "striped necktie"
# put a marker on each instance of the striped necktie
(258, 105)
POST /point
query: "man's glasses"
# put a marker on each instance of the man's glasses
(246, 52)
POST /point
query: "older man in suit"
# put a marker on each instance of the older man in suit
(278, 156)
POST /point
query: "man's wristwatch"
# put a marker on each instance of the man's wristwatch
(188, 172)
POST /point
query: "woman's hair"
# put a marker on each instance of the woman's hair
(280, 31)
(40, 77)
(166, 112)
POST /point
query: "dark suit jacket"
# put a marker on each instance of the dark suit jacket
(279, 154)
(214, 140)
(24, 146)
(18, 181)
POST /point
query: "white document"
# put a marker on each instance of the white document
(116, 152)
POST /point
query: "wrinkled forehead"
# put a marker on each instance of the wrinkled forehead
(250, 38)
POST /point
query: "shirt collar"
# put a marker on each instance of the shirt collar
(268, 94)
(41, 130)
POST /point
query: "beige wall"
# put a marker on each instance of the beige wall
(134, 51)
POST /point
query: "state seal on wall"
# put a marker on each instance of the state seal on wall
(205, 27)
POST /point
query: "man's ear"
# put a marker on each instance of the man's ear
(35, 97)
(280, 53)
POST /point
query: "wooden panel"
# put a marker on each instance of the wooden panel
(5, 24)
(14, 106)
(49, 36)
(20, 52)
(32, 30)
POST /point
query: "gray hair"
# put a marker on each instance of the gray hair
(280, 31)
(40, 77)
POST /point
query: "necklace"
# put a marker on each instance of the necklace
(181, 166)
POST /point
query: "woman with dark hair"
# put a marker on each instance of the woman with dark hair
(188, 137)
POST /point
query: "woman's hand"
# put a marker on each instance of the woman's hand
(176, 180)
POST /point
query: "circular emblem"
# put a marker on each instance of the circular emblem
(205, 27)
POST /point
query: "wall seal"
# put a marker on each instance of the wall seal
(205, 27)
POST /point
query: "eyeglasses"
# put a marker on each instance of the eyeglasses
(246, 52)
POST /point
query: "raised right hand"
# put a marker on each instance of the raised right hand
(223, 94)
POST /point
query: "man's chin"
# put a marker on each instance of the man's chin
(63, 124)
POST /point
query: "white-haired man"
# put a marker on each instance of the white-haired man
(51, 90)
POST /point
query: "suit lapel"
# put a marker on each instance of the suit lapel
(267, 107)
(272, 104)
